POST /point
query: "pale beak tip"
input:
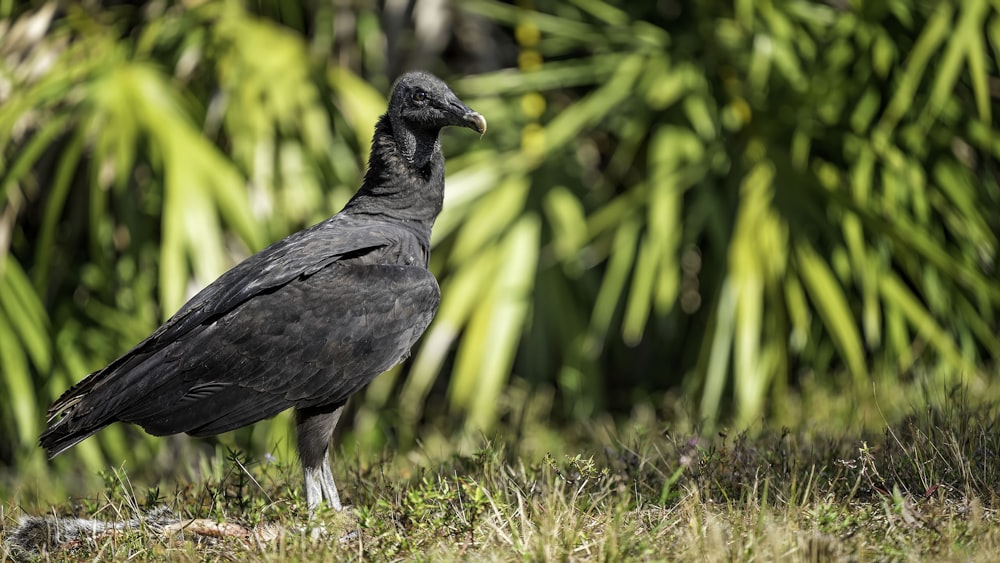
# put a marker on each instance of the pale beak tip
(477, 122)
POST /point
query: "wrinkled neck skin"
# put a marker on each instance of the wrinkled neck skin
(405, 178)
(417, 147)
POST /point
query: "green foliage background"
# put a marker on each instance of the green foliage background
(718, 197)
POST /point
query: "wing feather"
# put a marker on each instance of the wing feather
(314, 341)
(257, 317)
(301, 253)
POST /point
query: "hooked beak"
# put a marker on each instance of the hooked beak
(466, 116)
(475, 121)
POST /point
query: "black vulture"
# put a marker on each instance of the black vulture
(302, 324)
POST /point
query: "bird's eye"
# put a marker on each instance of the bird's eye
(419, 96)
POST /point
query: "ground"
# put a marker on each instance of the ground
(919, 485)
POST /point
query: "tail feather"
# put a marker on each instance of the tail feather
(62, 436)
(89, 405)
(68, 426)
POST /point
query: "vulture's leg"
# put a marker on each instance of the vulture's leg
(314, 428)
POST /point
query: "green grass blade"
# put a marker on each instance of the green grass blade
(620, 265)
(460, 295)
(895, 291)
(512, 296)
(27, 316)
(937, 29)
(831, 302)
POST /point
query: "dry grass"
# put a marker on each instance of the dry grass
(922, 488)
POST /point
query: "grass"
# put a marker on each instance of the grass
(923, 486)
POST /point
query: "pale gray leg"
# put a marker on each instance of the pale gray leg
(314, 428)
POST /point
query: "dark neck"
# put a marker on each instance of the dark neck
(405, 178)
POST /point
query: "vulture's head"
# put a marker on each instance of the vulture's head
(422, 102)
